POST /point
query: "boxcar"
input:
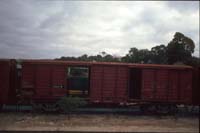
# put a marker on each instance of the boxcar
(46, 81)
(115, 83)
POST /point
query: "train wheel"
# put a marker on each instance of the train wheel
(144, 108)
(50, 107)
(36, 107)
(163, 109)
(173, 109)
(148, 109)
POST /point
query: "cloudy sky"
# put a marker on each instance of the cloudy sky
(50, 29)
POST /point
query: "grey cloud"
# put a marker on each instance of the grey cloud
(165, 26)
(184, 6)
(50, 29)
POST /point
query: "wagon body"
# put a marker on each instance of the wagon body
(47, 80)
(7, 82)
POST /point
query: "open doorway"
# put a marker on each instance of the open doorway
(135, 83)
(78, 81)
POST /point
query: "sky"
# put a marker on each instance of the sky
(47, 29)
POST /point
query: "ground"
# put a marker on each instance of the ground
(97, 122)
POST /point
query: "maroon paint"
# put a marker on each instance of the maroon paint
(7, 82)
(108, 83)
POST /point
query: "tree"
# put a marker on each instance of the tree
(103, 54)
(180, 48)
(159, 55)
(132, 56)
(138, 56)
(67, 58)
(83, 58)
(193, 61)
(144, 56)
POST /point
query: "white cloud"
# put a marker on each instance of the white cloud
(46, 29)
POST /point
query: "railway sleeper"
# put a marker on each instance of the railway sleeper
(1, 107)
(158, 109)
(45, 107)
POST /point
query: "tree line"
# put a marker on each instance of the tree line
(178, 51)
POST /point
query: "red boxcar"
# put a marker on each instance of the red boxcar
(7, 82)
(45, 80)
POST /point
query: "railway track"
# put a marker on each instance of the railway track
(182, 110)
(7, 131)
(125, 111)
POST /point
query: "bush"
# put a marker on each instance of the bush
(69, 104)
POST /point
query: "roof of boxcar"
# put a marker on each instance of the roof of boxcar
(85, 63)
(4, 59)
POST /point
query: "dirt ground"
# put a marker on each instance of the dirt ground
(97, 122)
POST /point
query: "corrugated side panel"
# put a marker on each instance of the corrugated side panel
(14, 82)
(161, 85)
(43, 80)
(148, 84)
(59, 78)
(173, 86)
(196, 86)
(28, 76)
(96, 83)
(122, 84)
(197, 89)
(4, 81)
(186, 86)
(47, 81)
(109, 83)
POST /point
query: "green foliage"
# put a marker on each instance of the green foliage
(138, 56)
(158, 54)
(193, 61)
(132, 56)
(179, 49)
(69, 104)
(102, 57)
